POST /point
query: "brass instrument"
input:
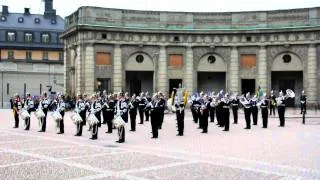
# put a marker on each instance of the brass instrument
(289, 94)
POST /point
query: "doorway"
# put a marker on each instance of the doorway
(139, 81)
(248, 85)
(174, 83)
(211, 81)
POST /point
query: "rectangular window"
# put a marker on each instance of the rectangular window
(175, 60)
(8, 92)
(103, 59)
(45, 55)
(10, 54)
(11, 36)
(248, 61)
(45, 38)
(28, 37)
(40, 89)
(28, 55)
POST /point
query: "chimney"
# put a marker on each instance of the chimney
(5, 11)
(26, 11)
(49, 12)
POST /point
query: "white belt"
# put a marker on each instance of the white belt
(225, 106)
(281, 105)
(263, 106)
(235, 105)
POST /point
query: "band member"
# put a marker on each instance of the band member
(212, 108)
(201, 101)
(87, 103)
(247, 110)
(254, 110)
(303, 103)
(264, 112)
(104, 102)
(147, 112)
(180, 117)
(17, 106)
(281, 102)
(61, 106)
(153, 106)
(121, 110)
(44, 105)
(204, 114)
(162, 103)
(133, 106)
(29, 106)
(110, 112)
(141, 107)
(96, 110)
(81, 110)
(226, 113)
(195, 107)
(235, 107)
(273, 103)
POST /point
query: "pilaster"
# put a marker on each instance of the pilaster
(234, 71)
(117, 69)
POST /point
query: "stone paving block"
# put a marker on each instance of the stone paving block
(33, 143)
(203, 171)
(10, 158)
(125, 161)
(43, 171)
(72, 151)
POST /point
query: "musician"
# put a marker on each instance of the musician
(154, 108)
(121, 110)
(87, 103)
(212, 108)
(225, 103)
(44, 105)
(235, 107)
(110, 112)
(17, 106)
(61, 106)
(142, 106)
(264, 111)
(303, 102)
(247, 110)
(272, 103)
(219, 110)
(201, 101)
(281, 102)
(254, 110)
(29, 106)
(204, 114)
(195, 107)
(96, 110)
(81, 110)
(104, 102)
(133, 107)
(180, 117)
(147, 112)
(162, 103)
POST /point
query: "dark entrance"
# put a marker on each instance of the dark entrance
(211, 81)
(104, 84)
(248, 85)
(174, 83)
(139, 81)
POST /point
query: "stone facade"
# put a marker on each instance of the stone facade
(268, 37)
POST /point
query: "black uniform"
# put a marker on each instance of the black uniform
(264, 113)
(81, 109)
(303, 103)
(281, 111)
(219, 110)
(29, 105)
(141, 107)
(254, 111)
(17, 106)
(273, 104)
(147, 112)
(104, 102)
(204, 115)
(110, 114)
(121, 109)
(133, 106)
(247, 114)
(96, 108)
(44, 105)
(226, 114)
(180, 117)
(212, 111)
(195, 107)
(154, 110)
(61, 106)
(162, 104)
(235, 107)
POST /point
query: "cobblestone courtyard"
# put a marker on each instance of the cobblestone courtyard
(292, 152)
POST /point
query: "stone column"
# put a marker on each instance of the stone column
(188, 74)
(66, 64)
(78, 69)
(117, 69)
(163, 71)
(89, 68)
(262, 69)
(312, 74)
(234, 72)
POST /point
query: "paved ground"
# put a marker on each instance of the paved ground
(292, 152)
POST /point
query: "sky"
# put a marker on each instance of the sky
(66, 7)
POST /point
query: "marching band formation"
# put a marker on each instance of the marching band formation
(114, 110)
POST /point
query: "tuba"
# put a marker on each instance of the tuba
(290, 94)
(244, 100)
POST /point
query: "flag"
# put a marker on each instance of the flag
(260, 92)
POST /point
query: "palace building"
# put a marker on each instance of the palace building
(132, 50)
(31, 52)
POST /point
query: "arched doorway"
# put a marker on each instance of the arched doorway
(287, 73)
(211, 73)
(139, 71)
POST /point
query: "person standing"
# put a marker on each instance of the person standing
(180, 117)
(29, 106)
(154, 109)
(264, 112)
(226, 112)
(247, 110)
(281, 102)
(104, 102)
(121, 110)
(141, 107)
(212, 108)
(133, 106)
(147, 111)
(235, 107)
(195, 106)
(204, 114)
(254, 110)
(16, 107)
(44, 105)
(81, 110)
(96, 110)
(110, 113)
(303, 103)
(61, 106)
(162, 103)
(273, 103)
